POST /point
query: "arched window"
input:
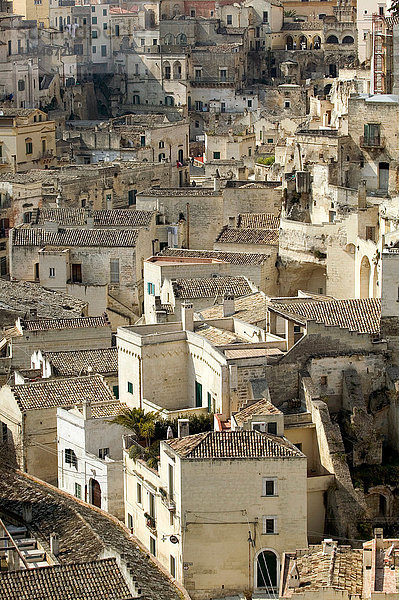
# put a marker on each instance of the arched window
(176, 10)
(169, 101)
(332, 39)
(289, 42)
(161, 157)
(28, 146)
(168, 39)
(181, 39)
(177, 70)
(317, 42)
(348, 39)
(136, 99)
(166, 70)
(303, 43)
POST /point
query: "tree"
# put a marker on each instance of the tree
(394, 8)
(138, 421)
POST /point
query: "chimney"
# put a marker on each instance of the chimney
(86, 406)
(183, 428)
(362, 195)
(327, 546)
(187, 316)
(232, 221)
(379, 538)
(27, 512)
(54, 544)
(228, 305)
(216, 184)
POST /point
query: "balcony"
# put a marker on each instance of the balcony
(377, 142)
(150, 523)
(167, 501)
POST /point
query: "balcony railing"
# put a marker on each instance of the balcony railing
(150, 522)
(376, 141)
(167, 501)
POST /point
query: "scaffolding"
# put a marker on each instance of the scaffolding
(382, 63)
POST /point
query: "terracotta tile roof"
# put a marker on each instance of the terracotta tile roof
(252, 352)
(84, 533)
(235, 258)
(210, 287)
(358, 315)
(76, 362)
(342, 570)
(113, 238)
(81, 322)
(258, 221)
(61, 392)
(106, 409)
(96, 580)
(216, 335)
(69, 217)
(261, 407)
(233, 444)
(251, 309)
(237, 235)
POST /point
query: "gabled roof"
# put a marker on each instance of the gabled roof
(233, 444)
(95, 580)
(78, 323)
(113, 238)
(239, 235)
(62, 392)
(210, 287)
(251, 309)
(76, 362)
(234, 258)
(261, 407)
(71, 217)
(358, 315)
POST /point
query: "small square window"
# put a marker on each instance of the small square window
(269, 525)
(216, 155)
(269, 486)
(323, 380)
(104, 12)
(103, 452)
(272, 428)
(130, 387)
(94, 20)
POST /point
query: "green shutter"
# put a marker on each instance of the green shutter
(198, 394)
(209, 403)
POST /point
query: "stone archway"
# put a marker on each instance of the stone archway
(365, 270)
(267, 571)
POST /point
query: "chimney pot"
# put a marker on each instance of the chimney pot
(228, 305)
(183, 428)
(187, 316)
(54, 544)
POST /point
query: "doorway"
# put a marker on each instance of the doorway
(95, 493)
(383, 175)
(266, 571)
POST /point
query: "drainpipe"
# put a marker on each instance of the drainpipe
(188, 225)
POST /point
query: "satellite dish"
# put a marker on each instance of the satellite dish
(173, 539)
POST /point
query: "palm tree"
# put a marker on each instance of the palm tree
(138, 421)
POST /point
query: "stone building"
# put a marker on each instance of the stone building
(27, 140)
(233, 540)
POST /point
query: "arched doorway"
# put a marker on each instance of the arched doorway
(267, 571)
(303, 43)
(289, 43)
(95, 493)
(317, 42)
(332, 39)
(365, 278)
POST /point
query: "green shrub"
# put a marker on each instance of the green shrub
(268, 160)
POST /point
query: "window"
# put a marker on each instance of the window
(272, 428)
(250, 151)
(161, 144)
(130, 387)
(154, 42)
(370, 233)
(151, 505)
(4, 432)
(28, 146)
(372, 134)
(197, 124)
(117, 30)
(44, 144)
(265, 16)
(171, 481)
(209, 402)
(269, 486)
(93, 9)
(216, 155)
(299, 446)
(151, 289)
(198, 105)
(115, 391)
(84, 21)
(381, 11)
(114, 270)
(105, 25)
(76, 273)
(94, 49)
(192, 12)
(173, 566)
(223, 107)
(94, 20)
(132, 197)
(229, 19)
(52, 272)
(104, 12)
(103, 452)
(167, 71)
(198, 73)
(161, 157)
(153, 545)
(142, 141)
(287, 103)
(142, 42)
(139, 495)
(223, 74)
(9, 47)
(249, 103)
(78, 491)
(270, 140)
(269, 525)
(103, 50)
(94, 34)
(71, 458)
(323, 380)
(21, 85)
(198, 394)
